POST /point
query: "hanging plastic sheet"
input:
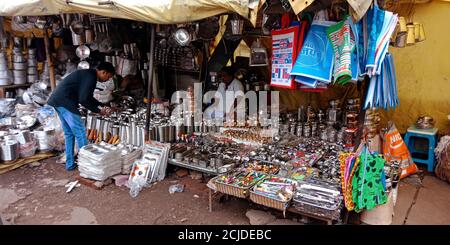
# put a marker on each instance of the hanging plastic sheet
(315, 61)
(283, 52)
(389, 24)
(286, 44)
(373, 33)
(343, 42)
(382, 90)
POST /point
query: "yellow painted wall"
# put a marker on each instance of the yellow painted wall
(423, 70)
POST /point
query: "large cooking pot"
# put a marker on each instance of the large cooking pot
(5, 81)
(31, 70)
(20, 65)
(18, 58)
(9, 150)
(32, 78)
(20, 73)
(32, 62)
(20, 80)
(44, 138)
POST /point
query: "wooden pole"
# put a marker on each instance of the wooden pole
(49, 60)
(150, 81)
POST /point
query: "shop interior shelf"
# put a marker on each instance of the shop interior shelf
(192, 167)
(15, 86)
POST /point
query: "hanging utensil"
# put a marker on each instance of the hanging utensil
(83, 65)
(77, 26)
(83, 52)
(41, 22)
(106, 45)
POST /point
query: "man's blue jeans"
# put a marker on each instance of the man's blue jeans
(73, 129)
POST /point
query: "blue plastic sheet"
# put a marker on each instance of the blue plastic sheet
(315, 61)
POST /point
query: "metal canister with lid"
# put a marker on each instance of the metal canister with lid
(300, 130)
(307, 130)
(314, 129)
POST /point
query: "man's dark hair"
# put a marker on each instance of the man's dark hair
(228, 70)
(106, 66)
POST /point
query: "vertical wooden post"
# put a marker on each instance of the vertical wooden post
(150, 81)
(49, 60)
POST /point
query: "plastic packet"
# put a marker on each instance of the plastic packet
(176, 188)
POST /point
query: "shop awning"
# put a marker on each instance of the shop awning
(152, 11)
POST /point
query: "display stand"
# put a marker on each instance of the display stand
(215, 195)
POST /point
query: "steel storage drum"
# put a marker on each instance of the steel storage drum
(9, 150)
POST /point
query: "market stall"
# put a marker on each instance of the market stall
(321, 160)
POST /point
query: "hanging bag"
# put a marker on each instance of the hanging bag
(285, 47)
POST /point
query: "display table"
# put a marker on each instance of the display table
(212, 194)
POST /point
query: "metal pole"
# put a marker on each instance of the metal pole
(150, 81)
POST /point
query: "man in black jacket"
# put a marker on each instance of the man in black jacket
(78, 88)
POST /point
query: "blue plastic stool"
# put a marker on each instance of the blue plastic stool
(428, 134)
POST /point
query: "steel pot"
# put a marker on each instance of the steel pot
(77, 39)
(4, 73)
(152, 133)
(32, 78)
(32, 62)
(5, 81)
(32, 52)
(24, 137)
(20, 65)
(106, 127)
(190, 129)
(162, 135)
(20, 73)
(219, 162)
(20, 80)
(115, 130)
(31, 70)
(19, 58)
(44, 138)
(18, 42)
(172, 133)
(10, 137)
(90, 121)
(9, 150)
(142, 136)
(123, 133)
(129, 135)
(179, 130)
(89, 34)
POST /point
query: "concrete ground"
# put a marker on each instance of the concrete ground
(35, 194)
(423, 201)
